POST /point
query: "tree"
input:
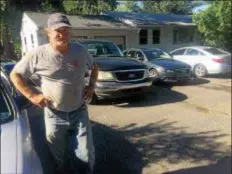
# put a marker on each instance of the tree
(11, 16)
(88, 6)
(129, 6)
(175, 7)
(214, 24)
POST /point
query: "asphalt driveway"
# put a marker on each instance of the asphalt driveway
(176, 129)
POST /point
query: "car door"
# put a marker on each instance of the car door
(125, 53)
(7, 133)
(193, 57)
(179, 54)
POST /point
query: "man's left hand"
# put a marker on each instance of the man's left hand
(88, 92)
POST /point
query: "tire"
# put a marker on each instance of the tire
(200, 70)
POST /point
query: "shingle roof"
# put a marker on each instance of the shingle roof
(142, 18)
(81, 21)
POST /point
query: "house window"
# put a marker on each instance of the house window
(143, 37)
(32, 40)
(156, 36)
(182, 35)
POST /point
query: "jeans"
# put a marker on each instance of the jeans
(69, 135)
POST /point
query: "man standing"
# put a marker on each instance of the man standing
(61, 67)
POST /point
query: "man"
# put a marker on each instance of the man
(61, 67)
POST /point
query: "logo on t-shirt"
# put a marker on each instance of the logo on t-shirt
(72, 66)
(75, 64)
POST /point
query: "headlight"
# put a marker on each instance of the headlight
(153, 73)
(102, 75)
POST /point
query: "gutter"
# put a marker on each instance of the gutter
(86, 28)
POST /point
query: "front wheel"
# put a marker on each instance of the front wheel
(200, 70)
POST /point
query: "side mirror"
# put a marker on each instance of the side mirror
(22, 102)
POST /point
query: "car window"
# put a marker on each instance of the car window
(178, 52)
(101, 49)
(125, 53)
(214, 51)
(139, 56)
(5, 110)
(131, 54)
(157, 54)
(193, 52)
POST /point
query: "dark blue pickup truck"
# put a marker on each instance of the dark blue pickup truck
(118, 76)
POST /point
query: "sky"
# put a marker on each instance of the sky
(200, 8)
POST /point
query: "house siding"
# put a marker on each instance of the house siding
(166, 39)
(130, 35)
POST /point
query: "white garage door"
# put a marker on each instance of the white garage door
(118, 40)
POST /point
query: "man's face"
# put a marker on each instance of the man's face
(60, 36)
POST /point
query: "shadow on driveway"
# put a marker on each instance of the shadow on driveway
(158, 95)
(221, 76)
(114, 154)
(223, 166)
(164, 141)
(152, 143)
(193, 82)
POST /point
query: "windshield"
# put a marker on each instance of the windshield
(214, 51)
(103, 49)
(157, 54)
(5, 111)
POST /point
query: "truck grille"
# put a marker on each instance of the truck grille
(129, 75)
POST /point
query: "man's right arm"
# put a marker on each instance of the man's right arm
(21, 84)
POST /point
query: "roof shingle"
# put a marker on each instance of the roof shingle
(81, 21)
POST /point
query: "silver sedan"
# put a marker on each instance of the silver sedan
(17, 153)
(161, 65)
(204, 60)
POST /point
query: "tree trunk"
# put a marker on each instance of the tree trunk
(8, 48)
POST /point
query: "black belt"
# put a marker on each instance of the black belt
(63, 112)
(66, 112)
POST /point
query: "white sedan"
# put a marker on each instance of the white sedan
(204, 60)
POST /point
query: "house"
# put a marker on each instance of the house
(126, 29)
(164, 31)
(83, 27)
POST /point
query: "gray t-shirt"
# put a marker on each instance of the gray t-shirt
(62, 76)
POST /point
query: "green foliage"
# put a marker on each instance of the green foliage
(175, 7)
(11, 16)
(88, 7)
(214, 24)
(129, 6)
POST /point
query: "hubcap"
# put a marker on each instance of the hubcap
(200, 71)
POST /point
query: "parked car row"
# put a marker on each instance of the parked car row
(133, 71)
